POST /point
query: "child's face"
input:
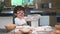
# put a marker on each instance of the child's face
(20, 14)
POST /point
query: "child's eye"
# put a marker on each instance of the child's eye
(18, 12)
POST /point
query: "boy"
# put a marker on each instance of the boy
(19, 13)
(19, 21)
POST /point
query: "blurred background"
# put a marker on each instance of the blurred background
(48, 9)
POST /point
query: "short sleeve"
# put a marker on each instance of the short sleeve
(19, 21)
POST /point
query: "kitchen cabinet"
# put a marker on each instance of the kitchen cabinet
(52, 20)
(44, 20)
(48, 20)
(5, 20)
(7, 3)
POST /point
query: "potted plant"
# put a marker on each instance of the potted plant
(1, 6)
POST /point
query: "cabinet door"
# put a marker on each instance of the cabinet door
(44, 20)
(5, 20)
(52, 20)
(7, 2)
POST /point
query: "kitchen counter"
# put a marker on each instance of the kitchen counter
(34, 31)
(12, 33)
(18, 33)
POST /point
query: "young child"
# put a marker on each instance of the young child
(20, 25)
(19, 13)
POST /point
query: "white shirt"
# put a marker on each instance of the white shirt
(19, 21)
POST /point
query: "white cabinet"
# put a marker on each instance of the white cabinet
(5, 20)
(44, 20)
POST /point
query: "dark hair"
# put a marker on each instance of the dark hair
(18, 8)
